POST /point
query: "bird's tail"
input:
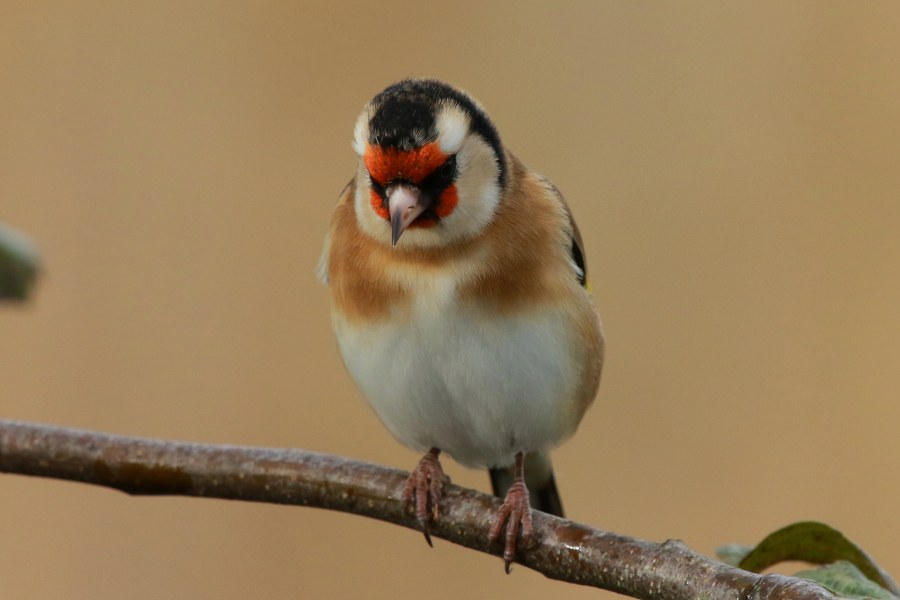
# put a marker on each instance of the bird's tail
(539, 480)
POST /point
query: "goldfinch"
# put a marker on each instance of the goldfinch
(459, 300)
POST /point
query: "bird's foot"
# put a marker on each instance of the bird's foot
(424, 490)
(515, 513)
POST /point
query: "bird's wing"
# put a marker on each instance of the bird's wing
(577, 246)
(346, 195)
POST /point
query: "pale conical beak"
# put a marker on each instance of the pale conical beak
(405, 203)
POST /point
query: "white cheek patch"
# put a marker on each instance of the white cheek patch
(361, 131)
(452, 125)
(477, 187)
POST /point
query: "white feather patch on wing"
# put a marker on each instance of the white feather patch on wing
(579, 272)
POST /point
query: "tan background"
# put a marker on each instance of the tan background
(735, 170)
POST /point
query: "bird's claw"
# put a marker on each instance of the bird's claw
(515, 513)
(424, 490)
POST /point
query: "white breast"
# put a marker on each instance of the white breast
(477, 385)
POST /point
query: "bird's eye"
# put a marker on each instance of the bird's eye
(448, 169)
(379, 189)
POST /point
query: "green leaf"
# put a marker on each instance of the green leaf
(18, 264)
(816, 543)
(844, 579)
(733, 554)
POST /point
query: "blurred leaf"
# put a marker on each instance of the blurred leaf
(733, 554)
(844, 579)
(18, 264)
(816, 543)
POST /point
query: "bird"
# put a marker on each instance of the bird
(460, 302)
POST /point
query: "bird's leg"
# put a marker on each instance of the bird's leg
(424, 489)
(515, 513)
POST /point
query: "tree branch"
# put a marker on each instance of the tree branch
(563, 550)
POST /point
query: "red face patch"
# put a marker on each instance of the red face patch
(447, 201)
(388, 164)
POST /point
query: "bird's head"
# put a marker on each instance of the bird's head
(432, 167)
